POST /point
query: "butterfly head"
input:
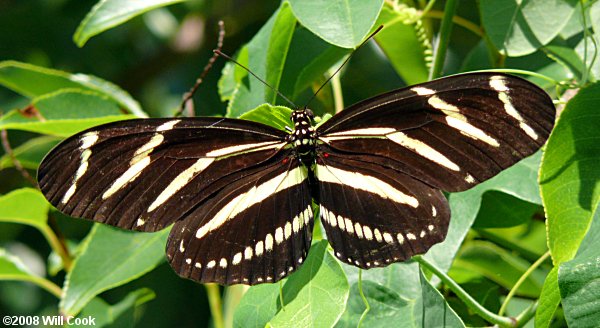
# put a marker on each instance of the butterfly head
(303, 134)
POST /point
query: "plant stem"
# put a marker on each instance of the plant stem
(45, 284)
(519, 71)
(443, 40)
(281, 295)
(465, 297)
(57, 246)
(527, 314)
(338, 98)
(362, 295)
(214, 300)
(522, 280)
(462, 22)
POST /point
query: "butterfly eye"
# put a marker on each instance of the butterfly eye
(309, 113)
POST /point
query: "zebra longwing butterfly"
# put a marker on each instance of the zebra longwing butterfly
(239, 194)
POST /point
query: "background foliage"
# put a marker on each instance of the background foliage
(524, 244)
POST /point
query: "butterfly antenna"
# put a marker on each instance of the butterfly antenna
(344, 63)
(218, 52)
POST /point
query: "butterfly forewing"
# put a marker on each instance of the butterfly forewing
(450, 133)
(126, 173)
(375, 215)
(256, 230)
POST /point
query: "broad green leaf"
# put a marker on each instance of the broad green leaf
(33, 81)
(595, 17)
(528, 239)
(12, 268)
(344, 23)
(579, 280)
(30, 153)
(399, 42)
(570, 176)
(25, 206)
(308, 58)
(107, 14)
(591, 52)
(268, 49)
(258, 306)
(431, 310)
(315, 295)
(549, 300)
(566, 56)
(279, 45)
(500, 266)
(406, 281)
(500, 210)
(519, 181)
(275, 116)
(120, 314)
(108, 258)
(63, 113)
(386, 307)
(520, 27)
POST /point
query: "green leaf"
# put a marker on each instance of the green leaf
(519, 28)
(259, 304)
(431, 310)
(33, 81)
(275, 116)
(30, 153)
(500, 210)
(579, 280)
(570, 176)
(107, 14)
(307, 59)
(108, 258)
(528, 239)
(279, 45)
(25, 206)
(399, 42)
(500, 266)
(64, 113)
(565, 55)
(595, 17)
(344, 23)
(386, 307)
(549, 300)
(268, 49)
(519, 181)
(11, 268)
(406, 281)
(315, 295)
(120, 314)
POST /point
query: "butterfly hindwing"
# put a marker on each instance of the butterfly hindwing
(129, 173)
(451, 133)
(375, 215)
(256, 230)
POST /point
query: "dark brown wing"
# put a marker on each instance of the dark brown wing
(451, 133)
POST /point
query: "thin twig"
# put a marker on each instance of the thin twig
(521, 281)
(469, 301)
(17, 164)
(364, 299)
(188, 95)
(216, 307)
(443, 40)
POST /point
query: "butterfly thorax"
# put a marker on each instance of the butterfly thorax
(302, 137)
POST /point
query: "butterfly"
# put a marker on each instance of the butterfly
(239, 194)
